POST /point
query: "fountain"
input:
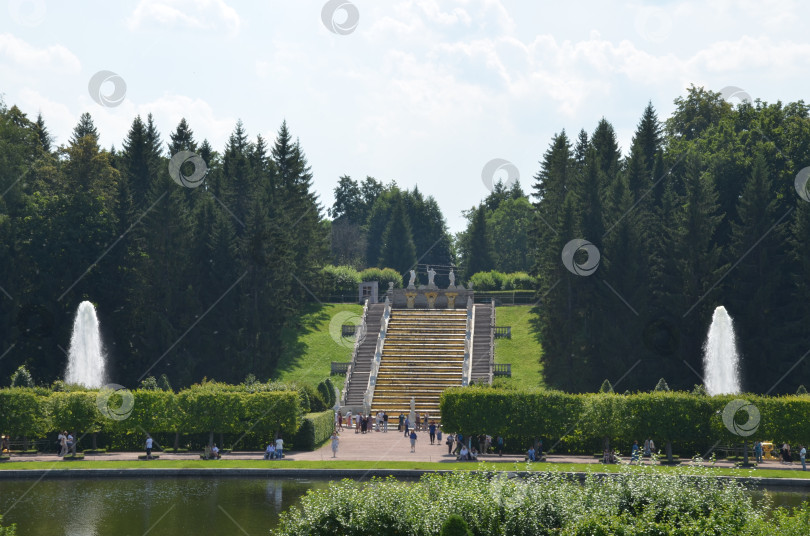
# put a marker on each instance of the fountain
(85, 355)
(720, 361)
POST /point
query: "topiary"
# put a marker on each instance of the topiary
(455, 526)
(801, 390)
(149, 384)
(326, 396)
(606, 387)
(661, 385)
(316, 401)
(332, 394)
(22, 378)
(303, 397)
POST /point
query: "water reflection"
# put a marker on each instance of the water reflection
(96, 507)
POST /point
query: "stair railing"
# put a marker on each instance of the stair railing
(368, 397)
(359, 335)
(492, 342)
(468, 344)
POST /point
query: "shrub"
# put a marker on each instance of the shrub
(22, 378)
(492, 280)
(316, 401)
(383, 276)
(519, 281)
(455, 526)
(332, 394)
(338, 280)
(646, 502)
(315, 429)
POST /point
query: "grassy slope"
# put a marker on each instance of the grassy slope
(310, 348)
(347, 464)
(522, 350)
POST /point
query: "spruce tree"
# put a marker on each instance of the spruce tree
(398, 250)
(479, 254)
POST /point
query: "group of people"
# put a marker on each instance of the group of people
(65, 443)
(421, 422)
(469, 448)
(274, 450)
(363, 423)
(636, 451)
(785, 454)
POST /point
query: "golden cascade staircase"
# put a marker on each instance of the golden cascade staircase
(422, 356)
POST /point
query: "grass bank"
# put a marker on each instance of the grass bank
(522, 350)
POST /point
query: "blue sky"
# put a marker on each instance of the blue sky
(421, 92)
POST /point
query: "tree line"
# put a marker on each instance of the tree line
(703, 211)
(189, 282)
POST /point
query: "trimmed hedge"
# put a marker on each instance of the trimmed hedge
(315, 429)
(580, 423)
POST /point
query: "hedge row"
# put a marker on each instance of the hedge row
(581, 423)
(334, 280)
(495, 280)
(118, 416)
(315, 429)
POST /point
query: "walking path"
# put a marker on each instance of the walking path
(377, 447)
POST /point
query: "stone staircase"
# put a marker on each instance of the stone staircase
(357, 382)
(423, 355)
(482, 344)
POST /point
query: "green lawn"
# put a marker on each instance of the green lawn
(428, 466)
(522, 350)
(309, 347)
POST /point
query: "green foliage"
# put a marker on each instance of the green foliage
(327, 393)
(335, 280)
(317, 403)
(315, 429)
(606, 387)
(631, 503)
(455, 526)
(491, 280)
(330, 387)
(10, 530)
(383, 276)
(22, 378)
(149, 383)
(661, 385)
(802, 390)
(581, 422)
(23, 412)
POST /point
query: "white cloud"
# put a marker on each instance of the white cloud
(52, 58)
(195, 14)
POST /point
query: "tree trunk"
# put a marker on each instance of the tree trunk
(94, 440)
(25, 443)
(745, 453)
(221, 441)
(211, 438)
(176, 441)
(669, 451)
(75, 442)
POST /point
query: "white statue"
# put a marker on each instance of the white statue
(452, 277)
(413, 279)
(431, 274)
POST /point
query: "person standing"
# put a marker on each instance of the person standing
(413, 440)
(418, 422)
(499, 442)
(439, 435)
(449, 443)
(385, 422)
(340, 420)
(357, 426)
(758, 451)
(802, 455)
(279, 447)
(61, 440)
(634, 452)
(432, 432)
(647, 451)
(335, 441)
(148, 447)
(407, 426)
(70, 442)
(401, 422)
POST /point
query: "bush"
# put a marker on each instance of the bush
(647, 502)
(383, 276)
(22, 378)
(455, 526)
(338, 280)
(519, 281)
(315, 429)
(492, 280)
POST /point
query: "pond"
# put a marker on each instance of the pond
(161, 506)
(172, 506)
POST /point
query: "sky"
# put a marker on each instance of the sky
(425, 93)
